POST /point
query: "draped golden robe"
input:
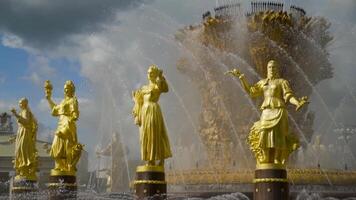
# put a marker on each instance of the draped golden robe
(153, 134)
(66, 134)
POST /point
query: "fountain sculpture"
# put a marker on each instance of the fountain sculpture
(65, 149)
(150, 178)
(269, 138)
(270, 30)
(26, 160)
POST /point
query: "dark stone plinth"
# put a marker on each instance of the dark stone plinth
(150, 184)
(62, 187)
(271, 184)
(23, 188)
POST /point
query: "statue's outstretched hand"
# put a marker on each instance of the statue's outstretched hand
(234, 72)
(302, 102)
(13, 110)
(160, 73)
(48, 94)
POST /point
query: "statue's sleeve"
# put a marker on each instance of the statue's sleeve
(74, 109)
(256, 89)
(74, 115)
(287, 91)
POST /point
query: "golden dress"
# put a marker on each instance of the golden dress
(153, 134)
(66, 133)
(25, 147)
(271, 131)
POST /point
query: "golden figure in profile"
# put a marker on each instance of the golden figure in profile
(269, 137)
(65, 149)
(25, 161)
(148, 116)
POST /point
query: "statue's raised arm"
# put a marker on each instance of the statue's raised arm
(48, 93)
(253, 91)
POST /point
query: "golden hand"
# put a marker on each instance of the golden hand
(234, 72)
(302, 102)
(48, 89)
(48, 95)
(13, 110)
(160, 73)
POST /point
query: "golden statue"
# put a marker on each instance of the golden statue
(65, 149)
(25, 161)
(148, 116)
(269, 137)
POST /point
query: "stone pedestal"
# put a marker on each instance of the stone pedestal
(23, 188)
(62, 186)
(271, 183)
(150, 182)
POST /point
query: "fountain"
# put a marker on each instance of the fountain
(232, 38)
(211, 157)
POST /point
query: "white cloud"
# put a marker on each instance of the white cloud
(43, 106)
(6, 106)
(41, 64)
(12, 41)
(39, 69)
(34, 78)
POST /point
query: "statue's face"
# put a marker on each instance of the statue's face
(272, 70)
(151, 75)
(22, 104)
(68, 91)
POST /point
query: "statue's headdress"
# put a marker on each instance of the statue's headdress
(154, 69)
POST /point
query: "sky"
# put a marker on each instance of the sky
(105, 47)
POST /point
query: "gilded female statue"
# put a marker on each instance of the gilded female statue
(148, 116)
(269, 137)
(65, 149)
(25, 161)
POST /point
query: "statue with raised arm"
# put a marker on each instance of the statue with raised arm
(65, 149)
(25, 161)
(148, 116)
(269, 138)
